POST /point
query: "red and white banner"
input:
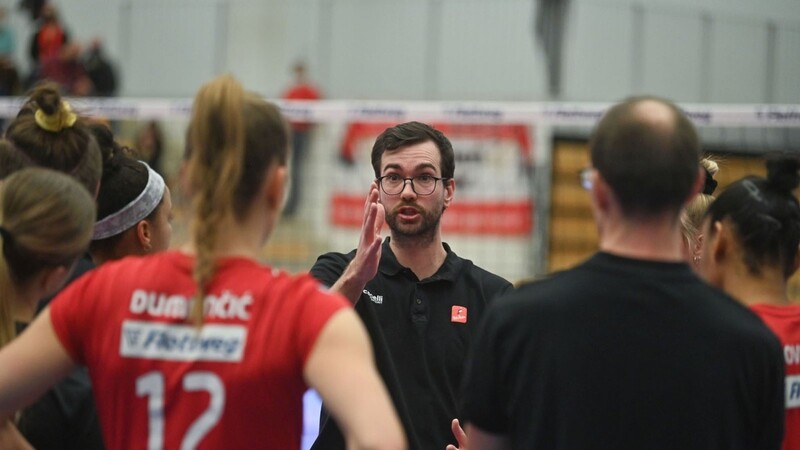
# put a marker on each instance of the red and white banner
(493, 193)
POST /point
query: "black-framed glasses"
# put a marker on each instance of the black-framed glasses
(394, 184)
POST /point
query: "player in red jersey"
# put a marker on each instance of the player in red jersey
(752, 235)
(229, 371)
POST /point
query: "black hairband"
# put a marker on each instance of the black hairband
(711, 183)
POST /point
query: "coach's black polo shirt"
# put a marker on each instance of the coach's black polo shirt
(420, 332)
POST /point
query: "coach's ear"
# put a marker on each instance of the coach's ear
(449, 191)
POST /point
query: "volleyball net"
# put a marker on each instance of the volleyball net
(510, 179)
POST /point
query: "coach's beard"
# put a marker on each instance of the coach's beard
(420, 233)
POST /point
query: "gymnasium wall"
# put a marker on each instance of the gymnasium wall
(735, 51)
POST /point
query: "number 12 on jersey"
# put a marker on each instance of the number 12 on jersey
(151, 385)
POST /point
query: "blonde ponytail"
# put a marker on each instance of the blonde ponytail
(217, 139)
(234, 137)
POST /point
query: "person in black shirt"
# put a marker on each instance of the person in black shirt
(420, 302)
(100, 70)
(629, 350)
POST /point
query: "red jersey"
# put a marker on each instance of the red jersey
(49, 39)
(784, 321)
(303, 91)
(160, 382)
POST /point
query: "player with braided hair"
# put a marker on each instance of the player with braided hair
(205, 348)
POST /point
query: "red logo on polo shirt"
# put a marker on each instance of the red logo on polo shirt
(458, 314)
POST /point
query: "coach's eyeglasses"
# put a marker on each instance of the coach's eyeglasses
(421, 184)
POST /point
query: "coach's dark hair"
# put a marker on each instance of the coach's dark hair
(651, 167)
(411, 133)
(233, 138)
(48, 132)
(765, 214)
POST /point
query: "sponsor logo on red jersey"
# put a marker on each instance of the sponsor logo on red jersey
(177, 342)
(793, 392)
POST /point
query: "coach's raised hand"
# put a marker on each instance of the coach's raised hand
(365, 264)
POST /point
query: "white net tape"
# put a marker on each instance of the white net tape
(543, 113)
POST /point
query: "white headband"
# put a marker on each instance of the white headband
(133, 212)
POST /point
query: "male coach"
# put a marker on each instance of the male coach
(629, 350)
(420, 302)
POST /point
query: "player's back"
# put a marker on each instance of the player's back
(237, 382)
(784, 320)
(627, 354)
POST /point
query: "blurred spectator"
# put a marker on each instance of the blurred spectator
(301, 89)
(67, 70)
(34, 7)
(150, 144)
(9, 77)
(100, 70)
(50, 36)
(47, 42)
(6, 36)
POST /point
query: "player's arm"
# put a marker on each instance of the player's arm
(341, 368)
(11, 438)
(368, 255)
(30, 364)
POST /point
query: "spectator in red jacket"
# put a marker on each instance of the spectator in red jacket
(301, 89)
